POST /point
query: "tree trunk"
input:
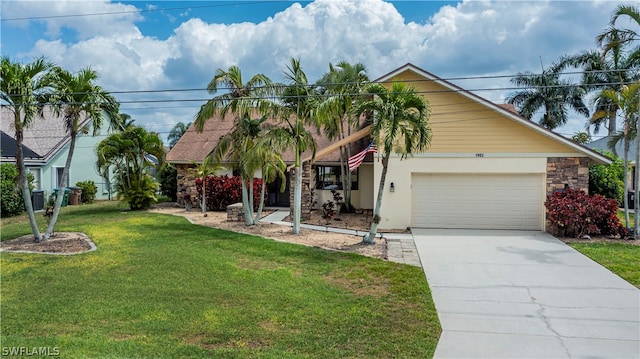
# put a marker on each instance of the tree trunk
(297, 200)
(261, 204)
(626, 184)
(371, 236)
(204, 194)
(61, 189)
(612, 124)
(636, 187)
(245, 204)
(23, 184)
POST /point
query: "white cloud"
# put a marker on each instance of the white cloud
(55, 16)
(472, 38)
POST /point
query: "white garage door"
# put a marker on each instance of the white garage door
(478, 201)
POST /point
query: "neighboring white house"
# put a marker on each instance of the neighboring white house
(48, 147)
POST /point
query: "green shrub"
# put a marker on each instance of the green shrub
(11, 202)
(607, 180)
(89, 191)
(168, 177)
(140, 193)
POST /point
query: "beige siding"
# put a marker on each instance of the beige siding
(460, 124)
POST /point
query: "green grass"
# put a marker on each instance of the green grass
(622, 259)
(160, 287)
(621, 217)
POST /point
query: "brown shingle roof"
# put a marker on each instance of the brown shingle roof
(195, 146)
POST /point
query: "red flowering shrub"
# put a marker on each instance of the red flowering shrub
(573, 213)
(224, 190)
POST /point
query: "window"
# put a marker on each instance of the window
(59, 183)
(328, 178)
(36, 177)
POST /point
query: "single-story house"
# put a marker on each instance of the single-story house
(487, 167)
(46, 146)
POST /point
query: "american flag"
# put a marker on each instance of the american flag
(356, 160)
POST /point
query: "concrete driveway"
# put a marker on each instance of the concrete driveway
(519, 294)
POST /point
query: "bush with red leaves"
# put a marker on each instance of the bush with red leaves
(573, 213)
(224, 190)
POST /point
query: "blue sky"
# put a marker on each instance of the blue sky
(180, 44)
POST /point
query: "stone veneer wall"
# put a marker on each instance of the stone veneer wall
(567, 171)
(305, 212)
(188, 179)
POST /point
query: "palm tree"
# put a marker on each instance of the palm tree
(207, 168)
(129, 152)
(617, 37)
(24, 90)
(78, 98)
(604, 70)
(549, 92)
(297, 109)
(234, 147)
(340, 87)
(176, 133)
(627, 100)
(400, 124)
(242, 99)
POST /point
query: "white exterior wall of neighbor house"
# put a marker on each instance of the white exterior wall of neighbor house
(396, 211)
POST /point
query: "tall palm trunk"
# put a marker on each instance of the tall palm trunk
(204, 194)
(626, 183)
(636, 187)
(23, 183)
(261, 204)
(247, 210)
(297, 197)
(371, 236)
(61, 190)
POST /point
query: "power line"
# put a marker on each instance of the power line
(141, 10)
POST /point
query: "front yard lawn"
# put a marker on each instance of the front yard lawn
(620, 258)
(161, 287)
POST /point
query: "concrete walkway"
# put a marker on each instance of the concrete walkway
(400, 246)
(515, 294)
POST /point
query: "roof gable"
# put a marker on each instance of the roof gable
(10, 147)
(507, 126)
(46, 136)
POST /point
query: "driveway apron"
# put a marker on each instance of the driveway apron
(520, 294)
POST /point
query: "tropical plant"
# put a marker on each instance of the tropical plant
(400, 125)
(24, 90)
(627, 100)
(168, 177)
(573, 213)
(297, 108)
(549, 92)
(616, 37)
(203, 170)
(129, 153)
(608, 180)
(339, 89)
(242, 100)
(83, 106)
(176, 133)
(89, 191)
(10, 196)
(581, 137)
(604, 70)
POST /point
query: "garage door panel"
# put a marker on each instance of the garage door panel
(495, 201)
